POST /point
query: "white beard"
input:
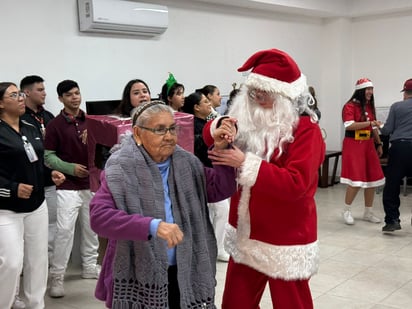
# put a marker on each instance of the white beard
(262, 131)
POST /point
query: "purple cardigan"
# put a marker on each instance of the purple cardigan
(109, 222)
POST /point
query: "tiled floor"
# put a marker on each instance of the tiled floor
(360, 266)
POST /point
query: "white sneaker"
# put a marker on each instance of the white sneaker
(91, 272)
(371, 217)
(347, 216)
(56, 286)
(18, 303)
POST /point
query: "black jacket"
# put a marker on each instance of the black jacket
(16, 168)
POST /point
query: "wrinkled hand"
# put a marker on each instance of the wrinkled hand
(57, 177)
(171, 233)
(233, 156)
(225, 133)
(24, 191)
(81, 171)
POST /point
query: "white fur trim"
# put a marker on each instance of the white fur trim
(284, 262)
(364, 85)
(291, 90)
(363, 184)
(249, 170)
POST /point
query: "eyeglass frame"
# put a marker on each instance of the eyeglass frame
(162, 131)
(263, 95)
(17, 95)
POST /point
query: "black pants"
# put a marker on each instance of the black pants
(399, 166)
(173, 288)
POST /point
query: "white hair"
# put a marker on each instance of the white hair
(262, 130)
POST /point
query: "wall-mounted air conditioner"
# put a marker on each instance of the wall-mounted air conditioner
(122, 17)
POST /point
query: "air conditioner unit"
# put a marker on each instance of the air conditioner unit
(122, 17)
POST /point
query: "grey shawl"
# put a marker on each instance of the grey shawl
(140, 267)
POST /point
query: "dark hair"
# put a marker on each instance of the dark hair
(190, 101)
(3, 87)
(232, 95)
(29, 81)
(65, 86)
(125, 106)
(172, 91)
(359, 97)
(206, 90)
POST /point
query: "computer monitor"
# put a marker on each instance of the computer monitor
(104, 107)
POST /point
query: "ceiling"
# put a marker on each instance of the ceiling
(323, 8)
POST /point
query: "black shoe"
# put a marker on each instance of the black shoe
(390, 227)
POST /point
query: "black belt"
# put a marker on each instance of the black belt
(350, 134)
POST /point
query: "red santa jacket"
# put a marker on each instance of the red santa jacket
(272, 220)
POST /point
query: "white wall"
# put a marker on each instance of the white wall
(205, 44)
(202, 45)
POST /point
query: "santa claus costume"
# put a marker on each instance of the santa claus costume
(360, 162)
(272, 230)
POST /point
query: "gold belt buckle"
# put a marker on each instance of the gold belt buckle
(362, 135)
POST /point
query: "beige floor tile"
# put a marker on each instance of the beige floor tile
(361, 267)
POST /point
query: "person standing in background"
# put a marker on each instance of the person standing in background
(198, 105)
(360, 158)
(66, 150)
(173, 93)
(398, 126)
(219, 211)
(37, 115)
(23, 210)
(135, 93)
(212, 93)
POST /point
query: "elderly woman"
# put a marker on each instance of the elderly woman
(23, 210)
(152, 205)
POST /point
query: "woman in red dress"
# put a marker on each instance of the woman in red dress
(361, 150)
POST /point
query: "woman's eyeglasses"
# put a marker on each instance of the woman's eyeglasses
(17, 95)
(174, 129)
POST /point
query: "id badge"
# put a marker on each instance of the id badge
(30, 152)
(362, 135)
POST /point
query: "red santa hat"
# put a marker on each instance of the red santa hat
(363, 83)
(274, 71)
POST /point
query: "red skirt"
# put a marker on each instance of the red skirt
(360, 164)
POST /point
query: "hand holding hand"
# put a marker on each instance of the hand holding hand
(24, 191)
(377, 123)
(171, 233)
(225, 133)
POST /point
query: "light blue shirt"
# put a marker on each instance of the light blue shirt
(164, 168)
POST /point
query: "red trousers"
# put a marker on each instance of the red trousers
(244, 287)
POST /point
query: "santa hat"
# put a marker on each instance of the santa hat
(274, 71)
(363, 83)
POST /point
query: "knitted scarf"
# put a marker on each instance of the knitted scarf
(140, 267)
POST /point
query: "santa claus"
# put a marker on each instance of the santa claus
(272, 230)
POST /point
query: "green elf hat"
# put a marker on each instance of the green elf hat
(170, 82)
